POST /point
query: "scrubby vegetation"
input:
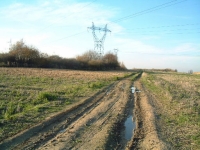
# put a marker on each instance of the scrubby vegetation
(22, 55)
(177, 97)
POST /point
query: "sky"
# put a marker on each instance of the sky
(147, 33)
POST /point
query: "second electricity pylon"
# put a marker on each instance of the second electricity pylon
(98, 43)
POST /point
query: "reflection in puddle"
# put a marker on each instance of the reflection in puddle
(129, 127)
(63, 130)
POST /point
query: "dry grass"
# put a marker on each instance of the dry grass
(55, 73)
(178, 96)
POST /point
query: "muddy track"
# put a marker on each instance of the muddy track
(54, 124)
(88, 125)
(97, 123)
(92, 129)
(146, 135)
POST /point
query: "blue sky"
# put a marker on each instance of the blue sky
(148, 34)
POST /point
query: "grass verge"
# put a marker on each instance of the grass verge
(178, 107)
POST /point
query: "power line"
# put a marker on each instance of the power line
(170, 3)
(163, 30)
(131, 32)
(164, 5)
(69, 36)
(137, 33)
(166, 26)
(162, 54)
(196, 32)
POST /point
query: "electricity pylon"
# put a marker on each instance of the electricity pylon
(98, 43)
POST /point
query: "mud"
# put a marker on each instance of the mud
(146, 134)
(129, 127)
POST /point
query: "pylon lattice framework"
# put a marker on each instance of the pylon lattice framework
(98, 43)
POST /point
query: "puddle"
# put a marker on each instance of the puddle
(63, 130)
(129, 127)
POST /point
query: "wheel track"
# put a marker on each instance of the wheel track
(50, 130)
(81, 129)
(103, 119)
(74, 118)
(71, 121)
(102, 122)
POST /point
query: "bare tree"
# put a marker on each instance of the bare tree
(88, 56)
(23, 54)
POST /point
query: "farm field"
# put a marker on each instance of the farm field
(175, 98)
(65, 109)
(31, 96)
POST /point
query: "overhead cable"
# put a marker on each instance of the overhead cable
(164, 5)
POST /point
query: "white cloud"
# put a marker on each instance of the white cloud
(136, 46)
(46, 21)
(187, 47)
(42, 21)
(65, 13)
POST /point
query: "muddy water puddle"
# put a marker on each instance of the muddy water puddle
(129, 127)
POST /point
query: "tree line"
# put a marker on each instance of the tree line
(22, 55)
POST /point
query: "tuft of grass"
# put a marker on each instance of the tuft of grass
(48, 96)
(183, 119)
(10, 110)
(97, 85)
(196, 138)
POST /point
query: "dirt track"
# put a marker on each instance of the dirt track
(96, 123)
(146, 134)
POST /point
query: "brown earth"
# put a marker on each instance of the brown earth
(96, 123)
(146, 135)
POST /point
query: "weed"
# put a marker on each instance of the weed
(10, 110)
(48, 96)
(97, 85)
(117, 78)
(182, 119)
(196, 138)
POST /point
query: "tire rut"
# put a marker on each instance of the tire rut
(48, 130)
(87, 126)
